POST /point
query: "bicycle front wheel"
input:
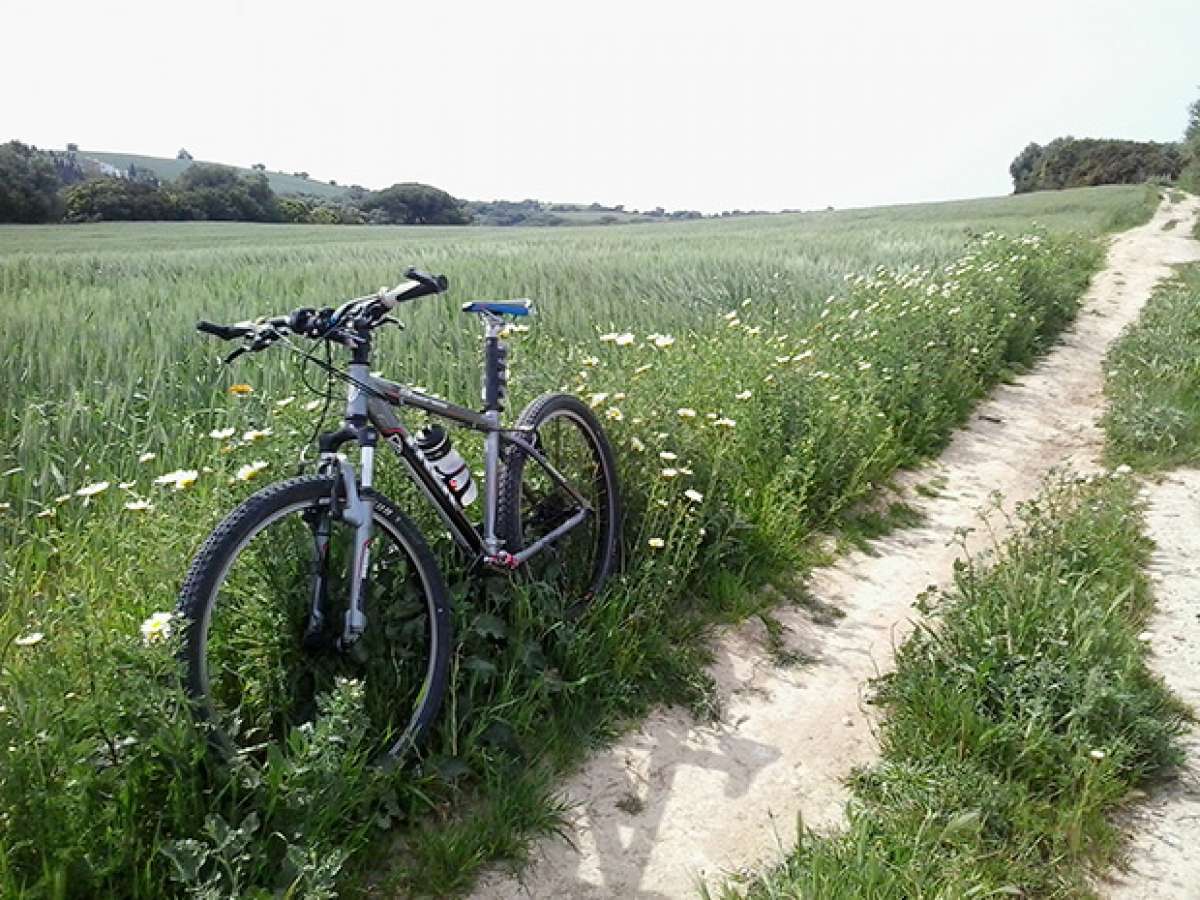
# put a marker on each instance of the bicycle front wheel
(257, 667)
(532, 504)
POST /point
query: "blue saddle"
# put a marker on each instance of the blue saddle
(500, 307)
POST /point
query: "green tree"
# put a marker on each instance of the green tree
(116, 199)
(1190, 176)
(1081, 162)
(29, 185)
(218, 193)
(416, 204)
(1023, 167)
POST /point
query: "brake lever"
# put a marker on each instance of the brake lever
(235, 354)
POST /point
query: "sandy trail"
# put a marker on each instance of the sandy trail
(1163, 858)
(677, 803)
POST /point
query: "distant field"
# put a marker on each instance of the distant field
(790, 375)
(102, 288)
(170, 169)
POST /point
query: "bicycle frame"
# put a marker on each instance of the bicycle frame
(371, 406)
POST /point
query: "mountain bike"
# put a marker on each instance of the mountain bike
(320, 577)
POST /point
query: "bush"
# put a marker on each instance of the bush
(1190, 177)
(117, 200)
(1071, 162)
(28, 185)
(416, 204)
(218, 193)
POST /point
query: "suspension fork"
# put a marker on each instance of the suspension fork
(355, 507)
(359, 506)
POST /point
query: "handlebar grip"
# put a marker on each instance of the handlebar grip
(435, 283)
(224, 332)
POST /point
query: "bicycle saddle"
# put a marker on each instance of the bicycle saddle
(500, 307)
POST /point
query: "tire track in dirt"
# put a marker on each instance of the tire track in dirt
(676, 802)
(1163, 862)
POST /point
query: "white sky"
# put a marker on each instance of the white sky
(694, 104)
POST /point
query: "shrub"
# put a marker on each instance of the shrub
(1071, 162)
(28, 185)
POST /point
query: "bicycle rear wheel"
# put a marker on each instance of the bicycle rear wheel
(531, 505)
(252, 669)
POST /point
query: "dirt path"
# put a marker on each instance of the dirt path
(677, 803)
(1164, 862)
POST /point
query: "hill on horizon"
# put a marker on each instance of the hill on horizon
(283, 183)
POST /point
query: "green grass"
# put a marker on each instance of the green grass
(1014, 723)
(1153, 384)
(170, 169)
(823, 382)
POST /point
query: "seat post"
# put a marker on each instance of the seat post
(495, 363)
(495, 378)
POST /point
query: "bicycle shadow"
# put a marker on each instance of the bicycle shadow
(635, 833)
(619, 824)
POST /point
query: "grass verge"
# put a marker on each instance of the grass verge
(1013, 725)
(1153, 381)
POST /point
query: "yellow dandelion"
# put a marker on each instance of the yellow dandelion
(240, 390)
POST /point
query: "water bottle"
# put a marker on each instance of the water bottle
(445, 462)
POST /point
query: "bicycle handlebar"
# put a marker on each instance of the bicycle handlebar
(330, 324)
(224, 332)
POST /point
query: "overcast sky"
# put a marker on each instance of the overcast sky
(698, 105)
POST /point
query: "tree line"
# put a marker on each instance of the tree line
(38, 186)
(1081, 162)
